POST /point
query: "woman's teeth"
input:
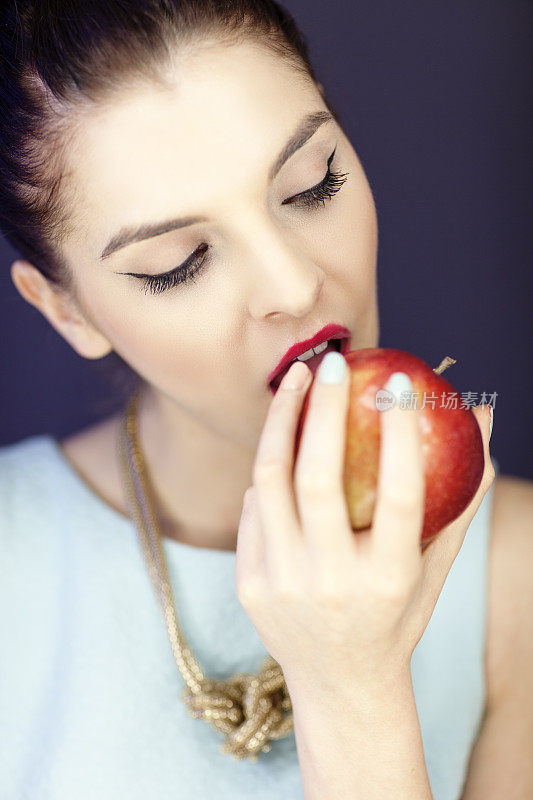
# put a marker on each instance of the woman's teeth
(312, 356)
(314, 351)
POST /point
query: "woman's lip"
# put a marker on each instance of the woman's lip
(331, 331)
(345, 348)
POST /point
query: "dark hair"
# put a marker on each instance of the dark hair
(61, 57)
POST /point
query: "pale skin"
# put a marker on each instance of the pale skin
(278, 273)
(343, 613)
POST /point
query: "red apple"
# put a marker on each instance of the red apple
(452, 445)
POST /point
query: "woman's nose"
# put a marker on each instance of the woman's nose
(283, 278)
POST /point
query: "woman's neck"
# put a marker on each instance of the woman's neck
(198, 478)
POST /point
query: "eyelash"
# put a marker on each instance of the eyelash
(188, 271)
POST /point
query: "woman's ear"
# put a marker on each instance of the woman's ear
(60, 310)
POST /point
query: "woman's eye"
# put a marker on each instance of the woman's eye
(323, 191)
(188, 271)
(185, 273)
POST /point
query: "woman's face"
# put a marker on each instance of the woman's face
(269, 272)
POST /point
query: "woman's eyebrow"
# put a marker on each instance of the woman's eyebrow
(129, 235)
(305, 129)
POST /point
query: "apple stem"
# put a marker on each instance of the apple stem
(444, 364)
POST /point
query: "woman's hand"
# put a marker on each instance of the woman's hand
(328, 603)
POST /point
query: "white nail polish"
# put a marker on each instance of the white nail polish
(398, 383)
(332, 368)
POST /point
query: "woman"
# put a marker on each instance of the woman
(182, 195)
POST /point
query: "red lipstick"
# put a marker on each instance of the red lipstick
(328, 332)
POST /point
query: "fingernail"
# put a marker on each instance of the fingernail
(397, 383)
(296, 377)
(332, 368)
(491, 418)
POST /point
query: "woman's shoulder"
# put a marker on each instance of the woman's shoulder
(35, 470)
(23, 461)
(30, 485)
(509, 653)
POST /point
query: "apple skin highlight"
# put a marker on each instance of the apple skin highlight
(452, 445)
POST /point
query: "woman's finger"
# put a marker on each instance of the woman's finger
(249, 561)
(319, 471)
(439, 555)
(272, 472)
(399, 510)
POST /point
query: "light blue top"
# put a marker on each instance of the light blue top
(89, 689)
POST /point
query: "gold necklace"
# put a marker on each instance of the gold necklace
(249, 709)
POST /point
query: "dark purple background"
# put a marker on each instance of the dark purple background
(436, 99)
